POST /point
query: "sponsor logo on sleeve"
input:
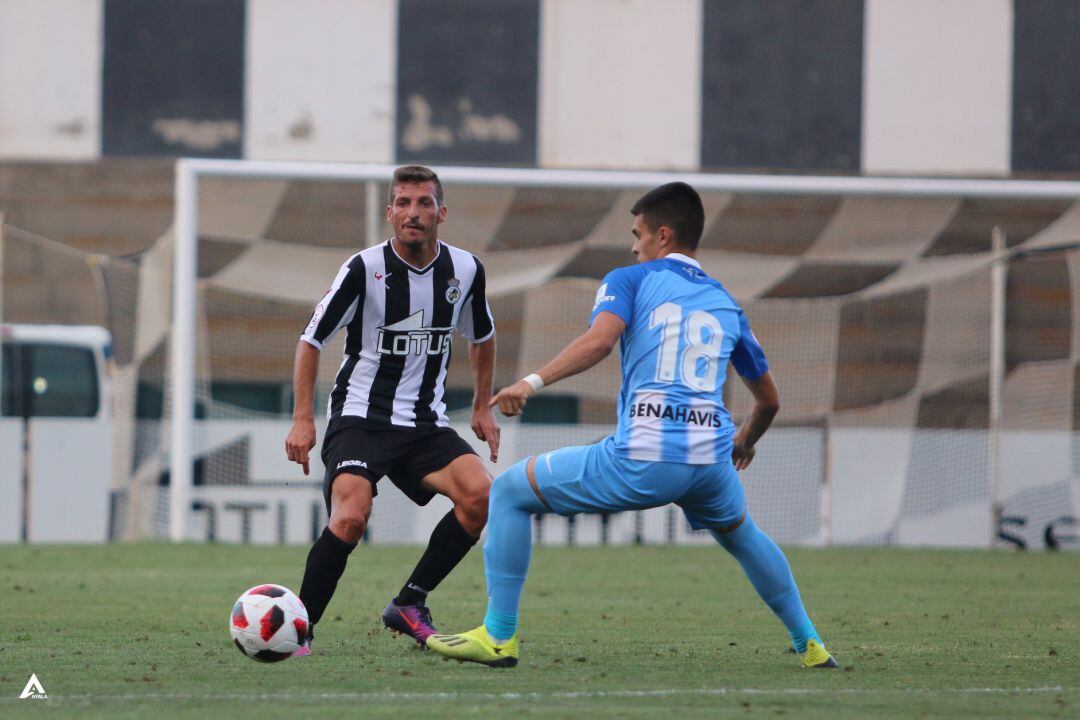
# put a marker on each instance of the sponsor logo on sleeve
(602, 296)
(316, 316)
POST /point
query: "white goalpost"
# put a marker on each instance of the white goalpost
(852, 203)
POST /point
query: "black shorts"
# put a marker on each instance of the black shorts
(405, 455)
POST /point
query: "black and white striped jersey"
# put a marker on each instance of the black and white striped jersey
(398, 321)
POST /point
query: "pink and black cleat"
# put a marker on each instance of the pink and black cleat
(305, 647)
(412, 620)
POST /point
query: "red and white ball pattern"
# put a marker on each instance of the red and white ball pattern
(268, 623)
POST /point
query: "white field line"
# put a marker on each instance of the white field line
(583, 694)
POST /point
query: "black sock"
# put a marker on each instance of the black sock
(449, 543)
(325, 564)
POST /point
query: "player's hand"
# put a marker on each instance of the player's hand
(742, 456)
(513, 398)
(487, 429)
(300, 441)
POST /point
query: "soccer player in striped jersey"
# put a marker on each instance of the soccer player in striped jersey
(398, 302)
(674, 442)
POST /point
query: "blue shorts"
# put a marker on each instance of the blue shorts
(593, 479)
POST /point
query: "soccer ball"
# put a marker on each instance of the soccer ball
(268, 623)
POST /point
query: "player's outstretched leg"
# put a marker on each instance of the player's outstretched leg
(351, 505)
(507, 552)
(408, 613)
(769, 572)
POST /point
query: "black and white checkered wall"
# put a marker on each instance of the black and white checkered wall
(984, 87)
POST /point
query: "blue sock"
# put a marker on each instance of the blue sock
(508, 548)
(764, 563)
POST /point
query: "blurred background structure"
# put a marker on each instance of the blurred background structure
(876, 311)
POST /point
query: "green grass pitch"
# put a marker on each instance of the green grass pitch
(626, 632)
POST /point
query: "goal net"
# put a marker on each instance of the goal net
(927, 379)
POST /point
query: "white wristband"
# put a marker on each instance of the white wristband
(534, 380)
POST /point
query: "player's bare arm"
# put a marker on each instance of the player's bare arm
(482, 357)
(582, 353)
(301, 437)
(766, 405)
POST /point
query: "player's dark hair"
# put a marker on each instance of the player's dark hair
(676, 205)
(409, 174)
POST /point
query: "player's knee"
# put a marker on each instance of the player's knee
(736, 535)
(348, 525)
(350, 507)
(472, 506)
(349, 518)
(506, 490)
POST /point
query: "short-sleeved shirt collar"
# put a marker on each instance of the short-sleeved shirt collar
(683, 259)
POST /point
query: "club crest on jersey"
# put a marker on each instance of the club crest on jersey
(411, 337)
(453, 293)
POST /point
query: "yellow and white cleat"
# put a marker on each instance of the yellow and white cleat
(476, 646)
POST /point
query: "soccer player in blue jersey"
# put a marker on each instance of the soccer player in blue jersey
(674, 443)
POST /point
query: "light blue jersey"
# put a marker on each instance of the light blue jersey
(672, 445)
(682, 328)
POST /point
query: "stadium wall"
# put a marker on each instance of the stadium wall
(921, 87)
(11, 434)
